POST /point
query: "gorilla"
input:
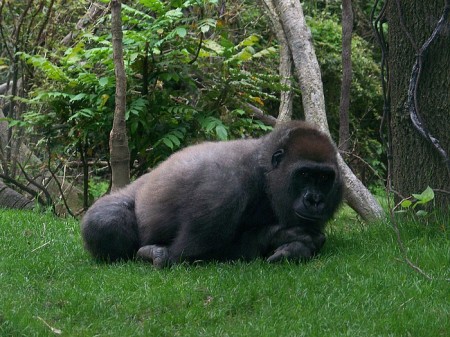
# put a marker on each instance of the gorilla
(243, 199)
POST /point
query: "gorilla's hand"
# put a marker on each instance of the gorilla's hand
(304, 247)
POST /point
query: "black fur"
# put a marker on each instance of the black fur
(243, 199)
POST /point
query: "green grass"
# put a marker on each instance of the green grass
(358, 286)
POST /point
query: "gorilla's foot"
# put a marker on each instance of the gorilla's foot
(157, 255)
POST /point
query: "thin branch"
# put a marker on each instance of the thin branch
(377, 25)
(198, 49)
(23, 188)
(353, 154)
(61, 192)
(45, 22)
(260, 115)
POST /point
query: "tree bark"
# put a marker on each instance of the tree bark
(286, 66)
(308, 73)
(347, 28)
(96, 9)
(12, 199)
(416, 163)
(118, 140)
(305, 61)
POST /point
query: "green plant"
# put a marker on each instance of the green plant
(415, 200)
(165, 53)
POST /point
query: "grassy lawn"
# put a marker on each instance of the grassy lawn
(358, 286)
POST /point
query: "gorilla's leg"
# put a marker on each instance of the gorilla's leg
(197, 247)
(109, 228)
(277, 242)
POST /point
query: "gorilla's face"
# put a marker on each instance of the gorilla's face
(313, 189)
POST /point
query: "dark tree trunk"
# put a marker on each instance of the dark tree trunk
(416, 163)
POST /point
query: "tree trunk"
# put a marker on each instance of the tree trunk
(307, 69)
(285, 69)
(347, 28)
(95, 10)
(416, 163)
(12, 199)
(306, 65)
(118, 140)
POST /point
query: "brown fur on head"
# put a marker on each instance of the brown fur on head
(311, 144)
(298, 139)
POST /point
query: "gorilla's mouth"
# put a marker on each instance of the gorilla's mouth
(307, 217)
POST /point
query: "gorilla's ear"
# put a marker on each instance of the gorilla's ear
(276, 157)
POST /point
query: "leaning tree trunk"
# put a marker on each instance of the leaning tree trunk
(9, 198)
(95, 10)
(118, 140)
(416, 163)
(307, 69)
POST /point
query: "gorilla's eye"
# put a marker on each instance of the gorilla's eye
(304, 174)
(323, 177)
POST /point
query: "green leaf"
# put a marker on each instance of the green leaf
(78, 97)
(238, 112)
(174, 139)
(265, 52)
(181, 31)
(178, 134)
(52, 71)
(103, 81)
(406, 203)
(421, 213)
(244, 55)
(168, 143)
(17, 123)
(134, 126)
(249, 41)
(221, 132)
(174, 13)
(204, 28)
(425, 196)
(214, 46)
(154, 5)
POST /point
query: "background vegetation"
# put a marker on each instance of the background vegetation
(192, 69)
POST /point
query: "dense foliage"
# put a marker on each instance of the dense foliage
(192, 68)
(186, 81)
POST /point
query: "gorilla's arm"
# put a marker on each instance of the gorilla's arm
(296, 244)
(279, 242)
